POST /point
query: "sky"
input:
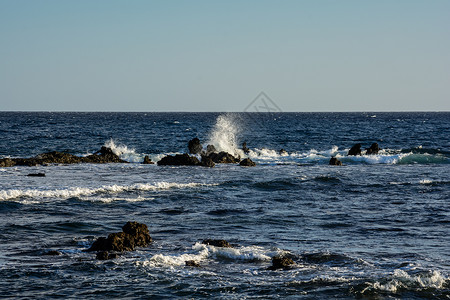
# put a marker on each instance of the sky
(109, 55)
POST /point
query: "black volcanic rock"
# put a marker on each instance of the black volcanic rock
(194, 146)
(179, 160)
(247, 163)
(374, 148)
(224, 158)
(217, 243)
(335, 162)
(207, 162)
(279, 262)
(147, 161)
(355, 150)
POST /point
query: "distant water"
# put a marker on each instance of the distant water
(377, 227)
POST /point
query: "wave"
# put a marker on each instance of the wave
(84, 191)
(224, 135)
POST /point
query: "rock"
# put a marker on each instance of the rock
(244, 148)
(207, 162)
(247, 163)
(279, 262)
(374, 148)
(37, 174)
(217, 243)
(335, 162)
(7, 162)
(147, 161)
(133, 235)
(179, 160)
(355, 150)
(192, 263)
(283, 152)
(194, 146)
(105, 255)
(56, 157)
(105, 155)
(210, 149)
(223, 158)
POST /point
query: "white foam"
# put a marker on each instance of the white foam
(425, 181)
(401, 279)
(224, 134)
(84, 191)
(125, 153)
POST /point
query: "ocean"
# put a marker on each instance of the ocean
(377, 227)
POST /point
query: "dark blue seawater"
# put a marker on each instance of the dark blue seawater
(377, 227)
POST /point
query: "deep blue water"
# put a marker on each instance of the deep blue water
(377, 227)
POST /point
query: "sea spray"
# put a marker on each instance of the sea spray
(125, 153)
(224, 134)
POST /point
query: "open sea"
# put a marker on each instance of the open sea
(377, 227)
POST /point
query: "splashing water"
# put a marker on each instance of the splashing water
(125, 153)
(224, 134)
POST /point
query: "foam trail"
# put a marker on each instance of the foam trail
(82, 191)
(224, 134)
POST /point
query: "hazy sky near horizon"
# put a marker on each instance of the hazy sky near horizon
(109, 55)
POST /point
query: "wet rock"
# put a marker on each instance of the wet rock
(133, 235)
(279, 262)
(247, 163)
(217, 243)
(207, 162)
(7, 162)
(105, 255)
(192, 263)
(224, 158)
(374, 148)
(179, 160)
(56, 157)
(147, 161)
(244, 148)
(36, 174)
(335, 162)
(194, 146)
(105, 155)
(210, 149)
(355, 150)
(283, 152)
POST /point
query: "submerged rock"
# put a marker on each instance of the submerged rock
(36, 174)
(147, 161)
(355, 150)
(335, 162)
(179, 160)
(133, 235)
(192, 263)
(279, 262)
(373, 149)
(195, 146)
(217, 243)
(247, 163)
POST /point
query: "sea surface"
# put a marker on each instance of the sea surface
(377, 227)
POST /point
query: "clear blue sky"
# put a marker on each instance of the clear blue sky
(108, 55)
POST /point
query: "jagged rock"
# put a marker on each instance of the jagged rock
(7, 162)
(105, 155)
(147, 161)
(56, 157)
(244, 148)
(223, 158)
(374, 148)
(179, 160)
(192, 263)
(134, 235)
(335, 162)
(194, 146)
(105, 255)
(210, 149)
(279, 262)
(217, 243)
(207, 162)
(247, 163)
(37, 175)
(355, 150)
(283, 152)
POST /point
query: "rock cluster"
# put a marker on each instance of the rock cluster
(133, 235)
(104, 155)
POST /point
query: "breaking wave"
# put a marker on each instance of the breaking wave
(224, 135)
